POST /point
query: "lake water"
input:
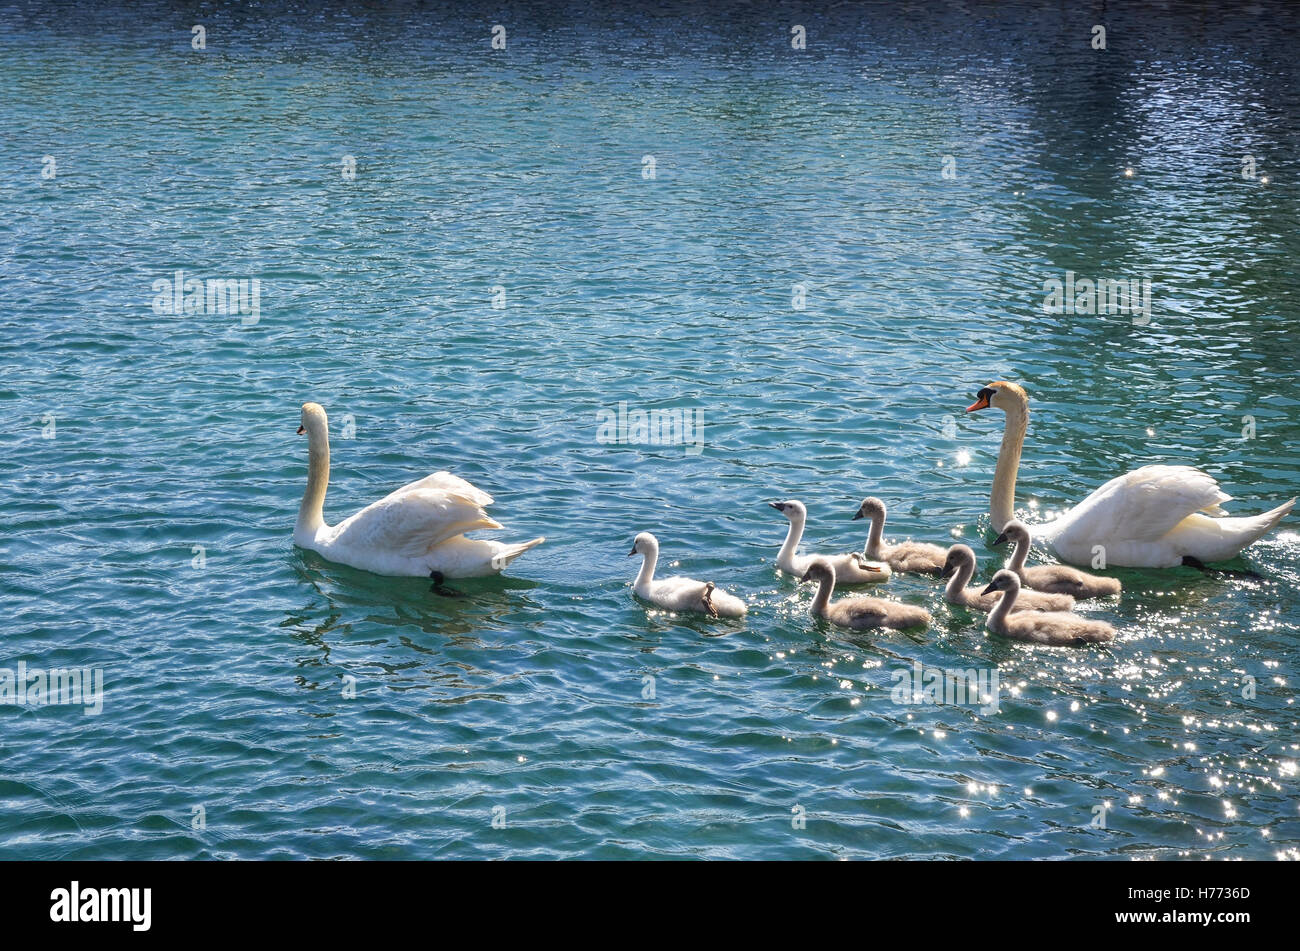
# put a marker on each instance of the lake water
(678, 210)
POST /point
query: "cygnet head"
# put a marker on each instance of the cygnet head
(313, 417)
(871, 508)
(644, 544)
(1004, 580)
(791, 509)
(1014, 531)
(819, 570)
(1001, 395)
(958, 556)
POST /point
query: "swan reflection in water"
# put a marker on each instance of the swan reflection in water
(420, 620)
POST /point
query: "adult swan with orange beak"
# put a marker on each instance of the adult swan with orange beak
(1153, 517)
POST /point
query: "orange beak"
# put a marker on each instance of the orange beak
(981, 403)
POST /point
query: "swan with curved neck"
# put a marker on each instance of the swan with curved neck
(676, 593)
(1061, 579)
(415, 531)
(1058, 628)
(858, 613)
(1154, 517)
(909, 556)
(849, 568)
(959, 568)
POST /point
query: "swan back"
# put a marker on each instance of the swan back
(1062, 579)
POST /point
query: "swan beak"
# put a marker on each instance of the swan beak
(301, 430)
(807, 576)
(775, 505)
(631, 553)
(948, 570)
(981, 403)
(990, 589)
(857, 515)
(1000, 540)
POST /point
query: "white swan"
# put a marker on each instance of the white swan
(920, 557)
(417, 531)
(1153, 517)
(959, 568)
(858, 613)
(1058, 628)
(850, 569)
(679, 594)
(1060, 579)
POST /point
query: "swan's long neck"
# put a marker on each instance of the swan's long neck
(1017, 560)
(998, 616)
(647, 571)
(311, 513)
(825, 588)
(1002, 503)
(957, 583)
(792, 536)
(876, 538)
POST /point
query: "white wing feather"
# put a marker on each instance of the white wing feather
(409, 522)
(446, 482)
(1144, 505)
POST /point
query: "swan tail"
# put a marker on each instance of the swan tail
(1252, 528)
(508, 553)
(1218, 539)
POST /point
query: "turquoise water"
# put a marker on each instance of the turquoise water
(150, 536)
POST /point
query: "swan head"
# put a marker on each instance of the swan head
(1004, 580)
(959, 556)
(644, 544)
(819, 570)
(313, 418)
(1001, 395)
(1014, 531)
(791, 509)
(871, 508)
